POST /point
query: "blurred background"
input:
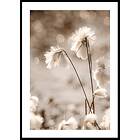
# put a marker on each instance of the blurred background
(60, 95)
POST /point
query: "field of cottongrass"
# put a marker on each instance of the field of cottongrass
(70, 70)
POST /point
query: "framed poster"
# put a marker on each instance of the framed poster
(70, 69)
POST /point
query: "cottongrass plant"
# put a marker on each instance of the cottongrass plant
(54, 57)
(70, 124)
(36, 120)
(101, 76)
(105, 123)
(90, 122)
(101, 93)
(79, 40)
(53, 60)
(82, 41)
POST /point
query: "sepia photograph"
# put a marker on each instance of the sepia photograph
(70, 70)
(70, 64)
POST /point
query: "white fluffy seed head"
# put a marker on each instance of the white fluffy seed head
(101, 77)
(90, 118)
(35, 121)
(70, 124)
(33, 103)
(89, 121)
(105, 123)
(61, 125)
(78, 39)
(101, 92)
(54, 57)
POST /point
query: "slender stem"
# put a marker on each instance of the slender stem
(90, 72)
(85, 107)
(93, 104)
(86, 100)
(78, 78)
(91, 107)
(97, 125)
(90, 67)
(93, 98)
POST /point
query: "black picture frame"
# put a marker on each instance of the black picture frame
(21, 58)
